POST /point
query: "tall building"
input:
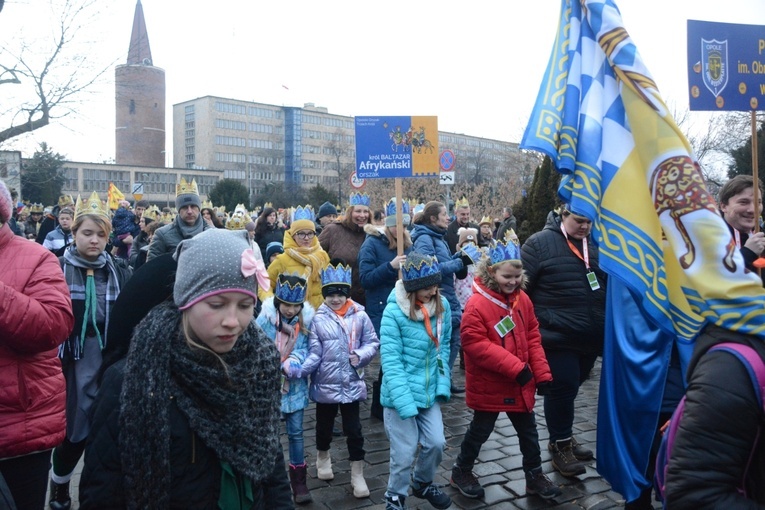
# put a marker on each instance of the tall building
(258, 143)
(140, 102)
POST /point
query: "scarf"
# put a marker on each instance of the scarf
(235, 412)
(308, 256)
(436, 229)
(187, 232)
(79, 274)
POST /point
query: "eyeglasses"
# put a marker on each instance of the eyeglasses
(305, 235)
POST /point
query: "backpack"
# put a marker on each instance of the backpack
(755, 367)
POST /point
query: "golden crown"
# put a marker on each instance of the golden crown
(207, 205)
(152, 213)
(186, 188)
(485, 219)
(267, 205)
(93, 206)
(462, 202)
(65, 200)
(36, 208)
(221, 209)
(167, 217)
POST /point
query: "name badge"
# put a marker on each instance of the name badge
(504, 326)
(593, 280)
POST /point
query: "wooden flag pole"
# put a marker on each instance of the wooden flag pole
(755, 173)
(399, 220)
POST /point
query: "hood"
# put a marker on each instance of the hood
(374, 230)
(423, 230)
(398, 296)
(553, 221)
(713, 335)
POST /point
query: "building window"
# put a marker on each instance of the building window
(230, 124)
(230, 108)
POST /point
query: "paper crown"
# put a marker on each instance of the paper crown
(36, 208)
(238, 219)
(390, 207)
(268, 205)
(503, 251)
(485, 220)
(207, 205)
(336, 275)
(420, 271)
(360, 199)
(221, 209)
(152, 213)
(511, 236)
(93, 205)
(186, 188)
(462, 202)
(65, 200)
(290, 288)
(418, 208)
(167, 217)
(303, 213)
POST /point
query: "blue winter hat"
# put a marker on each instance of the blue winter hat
(326, 209)
(272, 248)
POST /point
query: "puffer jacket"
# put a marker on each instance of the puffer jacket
(342, 242)
(375, 272)
(35, 317)
(571, 315)
(57, 240)
(492, 363)
(284, 263)
(167, 238)
(411, 376)
(333, 379)
(296, 397)
(716, 433)
(429, 242)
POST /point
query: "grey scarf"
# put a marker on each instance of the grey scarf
(234, 413)
(187, 232)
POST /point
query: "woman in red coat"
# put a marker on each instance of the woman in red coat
(504, 365)
(35, 317)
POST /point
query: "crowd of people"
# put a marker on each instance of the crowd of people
(167, 346)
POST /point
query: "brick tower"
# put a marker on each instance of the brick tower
(140, 102)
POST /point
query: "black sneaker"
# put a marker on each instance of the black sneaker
(59, 496)
(465, 481)
(395, 503)
(434, 495)
(538, 483)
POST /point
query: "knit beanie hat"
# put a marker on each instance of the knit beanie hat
(187, 193)
(325, 210)
(420, 272)
(6, 204)
(214, 262)
(467, 235)
(272, 248)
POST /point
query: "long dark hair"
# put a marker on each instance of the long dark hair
(261, 225)
(432, 208)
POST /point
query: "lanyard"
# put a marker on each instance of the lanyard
(429, 326)
(737, 237)
(585, 258)
(351, 335)
(495, 300)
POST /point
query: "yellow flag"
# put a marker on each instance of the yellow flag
(115, 195)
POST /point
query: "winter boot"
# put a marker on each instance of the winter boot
(465, 481)
(59, 496)
(563, 459)
(538, 483)
(580, 452)
(324, 465)
(360, 489)
(297, 482)
(433, 493)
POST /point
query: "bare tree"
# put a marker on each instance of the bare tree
(340, 149)
(45, 77)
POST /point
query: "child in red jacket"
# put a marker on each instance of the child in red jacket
(504, 365)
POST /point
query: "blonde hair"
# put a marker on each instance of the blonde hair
(194, 343)
(413, 305)
(102, 222)
(485, 272)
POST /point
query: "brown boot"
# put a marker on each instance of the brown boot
(563, 459)
(297, 482)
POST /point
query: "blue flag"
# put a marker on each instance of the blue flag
(672, 263)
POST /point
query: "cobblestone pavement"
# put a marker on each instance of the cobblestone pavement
(498, 467)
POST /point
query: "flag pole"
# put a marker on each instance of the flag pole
(399, 220)
(755, 172)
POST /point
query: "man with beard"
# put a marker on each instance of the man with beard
(186, 224)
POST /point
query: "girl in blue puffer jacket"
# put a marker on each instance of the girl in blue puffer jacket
(342, 342)
(416, 329)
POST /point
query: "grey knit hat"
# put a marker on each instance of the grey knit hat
(420, 272)
(214, 262)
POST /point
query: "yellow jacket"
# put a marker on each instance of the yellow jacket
(315, 259)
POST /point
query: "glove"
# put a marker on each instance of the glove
(292, 368)
(544, 388)
(524, 376)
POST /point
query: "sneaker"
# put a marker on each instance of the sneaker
(434, 495)
(59, 496)
(580, 452)
(464, 480)
(395, 503)
(538, 483)
(564, 461)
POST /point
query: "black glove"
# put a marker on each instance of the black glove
(544, 388)
(524, 376)
(466, 261)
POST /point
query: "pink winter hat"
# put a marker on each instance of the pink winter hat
(6, 204)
